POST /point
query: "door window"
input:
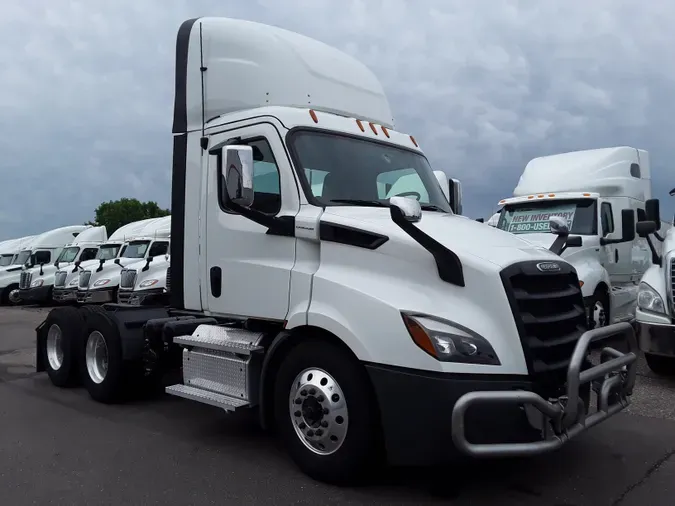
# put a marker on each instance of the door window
(606, 218)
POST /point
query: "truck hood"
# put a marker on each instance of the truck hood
(467, 238)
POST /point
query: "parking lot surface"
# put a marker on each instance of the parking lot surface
(59, 447)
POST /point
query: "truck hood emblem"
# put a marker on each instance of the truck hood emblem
(548, 266)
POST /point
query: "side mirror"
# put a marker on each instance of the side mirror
(405, 208)
(627, 225)
(442, 179)
(236, 169)
(56, 264)
(653, 212)
(644, 228)
(116, 261)
(558, 225)
(455, 190)
(672, 192)
(574, 241)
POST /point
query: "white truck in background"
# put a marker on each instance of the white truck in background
(38, 251)
(100, 285)
(655, 313)
(37, 284)
(146, 282)
(364, 327)
(596, 191)
(9, 250)
(494, 220)
(66, 279)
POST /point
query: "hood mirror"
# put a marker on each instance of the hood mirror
(558, 226)
(405, 208)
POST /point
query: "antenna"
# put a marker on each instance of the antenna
(204, 141)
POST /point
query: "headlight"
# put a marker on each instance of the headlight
(449, 342)
(101, 282)
(37, 283)
(73, 282)
(148, 282)
(649, 299)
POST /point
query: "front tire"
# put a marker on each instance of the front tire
(59, 348)
(663, 366)
(598, 309)
(326, 413)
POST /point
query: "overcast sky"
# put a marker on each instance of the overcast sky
(86, 89)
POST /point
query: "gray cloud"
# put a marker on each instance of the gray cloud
(86, 89)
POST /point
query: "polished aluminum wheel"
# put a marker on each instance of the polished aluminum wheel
(55, 347)
(96, 357)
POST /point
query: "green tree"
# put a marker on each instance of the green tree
(116, 213)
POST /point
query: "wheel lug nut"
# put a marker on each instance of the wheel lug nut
(335, 398)
(320, 398)
(312, 391)
(298, 401)
(297, 413)
(319, 432)
(310, 433)
(302, 426)
(303, 392)
(325, 411)
(324, 424)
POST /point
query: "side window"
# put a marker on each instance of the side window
(88, 254)
(641, 214)
(607, 219)
(404, 182)
(266, 179)
(158, 248)
(43, 257)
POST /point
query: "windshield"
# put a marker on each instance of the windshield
(532, 217)
(342, 171)
(136, 249)
(108, 252)
(68, 254)
(6, 260)
(22, 257)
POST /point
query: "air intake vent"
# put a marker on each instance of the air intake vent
(127, 279)
(83, 282)
(60, 279)
(24, 280)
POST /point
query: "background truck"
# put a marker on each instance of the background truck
(99, 285)
(66, 279)
(37, 284)
(361, 327)
(145, 282)
(655, 313)
(10, 249)
(39, 251)
(595, 191)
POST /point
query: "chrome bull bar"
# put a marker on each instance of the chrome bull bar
(565, 417)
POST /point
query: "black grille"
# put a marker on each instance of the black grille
(168, 279)
(549, 312)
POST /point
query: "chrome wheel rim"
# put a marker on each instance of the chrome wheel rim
(318, 411)
(96, 357)
(55, 347)
(599, 315)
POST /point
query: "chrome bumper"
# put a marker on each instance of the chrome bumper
(564, 417)
(657, 338)
(64, 294)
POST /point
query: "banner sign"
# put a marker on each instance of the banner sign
(528, 221)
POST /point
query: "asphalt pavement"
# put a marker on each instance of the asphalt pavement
(57, 446)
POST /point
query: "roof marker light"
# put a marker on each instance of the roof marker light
(358, 122)
(386, 131)
(587, 194)
(414, 141)
(502, 201)
(372, 127)
(551, 194)
(530, 196)
(313, 115)
(541, 196)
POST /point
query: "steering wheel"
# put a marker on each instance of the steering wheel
(408, 194)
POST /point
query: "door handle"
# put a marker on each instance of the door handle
(216, 278)
(616, 255)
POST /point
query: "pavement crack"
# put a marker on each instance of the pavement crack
(653, 468)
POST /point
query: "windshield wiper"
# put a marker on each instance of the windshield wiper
(432, 207)
(357, 202)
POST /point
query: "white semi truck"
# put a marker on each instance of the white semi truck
(100, 285)
(38, 251)
(361, 327)
(37, 284)
(598, 192)
(66, 280)
(145, 282)
(655, 313)
(10, 249)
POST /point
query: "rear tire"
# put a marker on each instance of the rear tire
(663, 366)
(103, 369)
(59, 348)
(322, 393)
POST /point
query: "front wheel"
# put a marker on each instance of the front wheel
(598, 310)
(663, 366)
(326, 413)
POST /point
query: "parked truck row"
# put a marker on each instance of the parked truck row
(322, 276)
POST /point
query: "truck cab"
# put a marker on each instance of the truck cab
(592, 190)
(101, 284)
(655, 313)
(362, 322)
(38, 252)
(38, 283)
(145, 282)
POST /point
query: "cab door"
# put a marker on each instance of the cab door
(248, 271)
(618, 258)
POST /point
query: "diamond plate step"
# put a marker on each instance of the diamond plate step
(211, 337)
(205, 397)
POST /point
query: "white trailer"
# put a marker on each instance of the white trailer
(361, 324)
(655, 313)
(37, 284)
(598, 192)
